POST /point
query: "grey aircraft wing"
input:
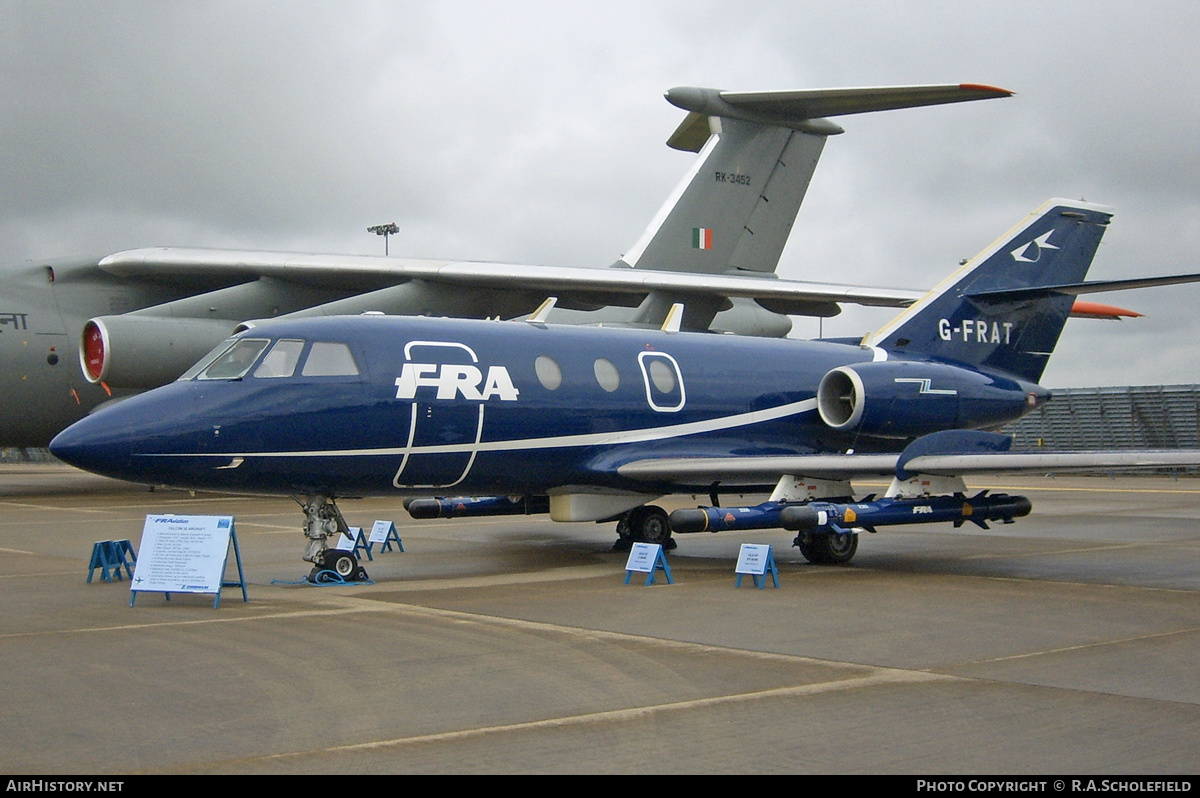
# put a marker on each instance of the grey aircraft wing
(601, 286)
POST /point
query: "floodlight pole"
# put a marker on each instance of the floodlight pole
(384, 230)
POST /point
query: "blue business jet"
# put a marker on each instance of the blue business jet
(593, 423)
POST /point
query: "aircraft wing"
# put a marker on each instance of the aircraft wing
(1045, 462)
(600, 285)
(691, 471)
(757, 470)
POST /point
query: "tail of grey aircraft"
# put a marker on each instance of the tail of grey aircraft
(1005, 308)
(734, 209)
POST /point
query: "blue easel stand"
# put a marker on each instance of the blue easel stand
(760, 580)
(360, 542)
(241, 580)
(660, 564)
(392, 534)
(114, 554)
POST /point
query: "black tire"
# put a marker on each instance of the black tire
(624, 534)
(829, 549)
(342, 563)
(649, 524)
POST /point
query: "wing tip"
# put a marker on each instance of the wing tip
(983, 87)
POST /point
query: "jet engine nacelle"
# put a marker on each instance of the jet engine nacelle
(902, 399)
(141, 352)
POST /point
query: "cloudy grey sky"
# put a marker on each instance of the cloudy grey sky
(534, 132)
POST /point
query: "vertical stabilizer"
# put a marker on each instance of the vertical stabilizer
(1001, 310)
(735, 207)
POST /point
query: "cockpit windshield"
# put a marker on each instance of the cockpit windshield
(204, 362)
(235, 361)
(235, 357)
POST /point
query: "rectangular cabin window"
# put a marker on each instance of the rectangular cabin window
(329, 360)
(281, 360)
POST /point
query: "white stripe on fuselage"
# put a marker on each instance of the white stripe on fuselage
(560, 442)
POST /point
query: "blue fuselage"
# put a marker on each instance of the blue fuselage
(441, 406)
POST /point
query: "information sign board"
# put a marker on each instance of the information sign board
(752, 559)
(379, 532)
(183, 554)
(642, 557)
(756, 560)
(186, 554)
(345, 543)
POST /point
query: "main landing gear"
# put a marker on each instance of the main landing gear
(322, 518)
(827, 549)
(645, 524)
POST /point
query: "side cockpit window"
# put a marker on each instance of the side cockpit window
(281, 360)
(235, 361)
(329, 360)
(207, 360)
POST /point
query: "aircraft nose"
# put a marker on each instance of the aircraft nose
(88, 445)
(135, 439)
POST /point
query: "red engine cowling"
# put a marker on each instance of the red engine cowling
(141, 352)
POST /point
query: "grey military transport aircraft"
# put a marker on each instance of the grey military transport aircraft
(75, 333)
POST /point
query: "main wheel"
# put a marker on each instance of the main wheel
(829, 549)
(624, 534)
(649, 524)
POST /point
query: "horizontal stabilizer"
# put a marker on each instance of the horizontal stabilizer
(798, 109)
(1075, 289)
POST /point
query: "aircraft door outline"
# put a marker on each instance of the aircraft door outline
(663, 381)
(428, 416)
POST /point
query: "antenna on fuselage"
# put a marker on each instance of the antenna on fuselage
(674, 318)
(539, 315)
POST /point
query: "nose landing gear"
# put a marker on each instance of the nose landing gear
(322, 518)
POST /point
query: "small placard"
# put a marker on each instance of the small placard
(753, 559)
(647, 558)
(347, 543)
(757, 560)
(379, 532)
(182, 554)
(642, 557)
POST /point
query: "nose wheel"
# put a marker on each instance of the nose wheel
(337, 566)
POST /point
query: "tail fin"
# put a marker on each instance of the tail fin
(1005, 308)
(757, 152)
(735, 207)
